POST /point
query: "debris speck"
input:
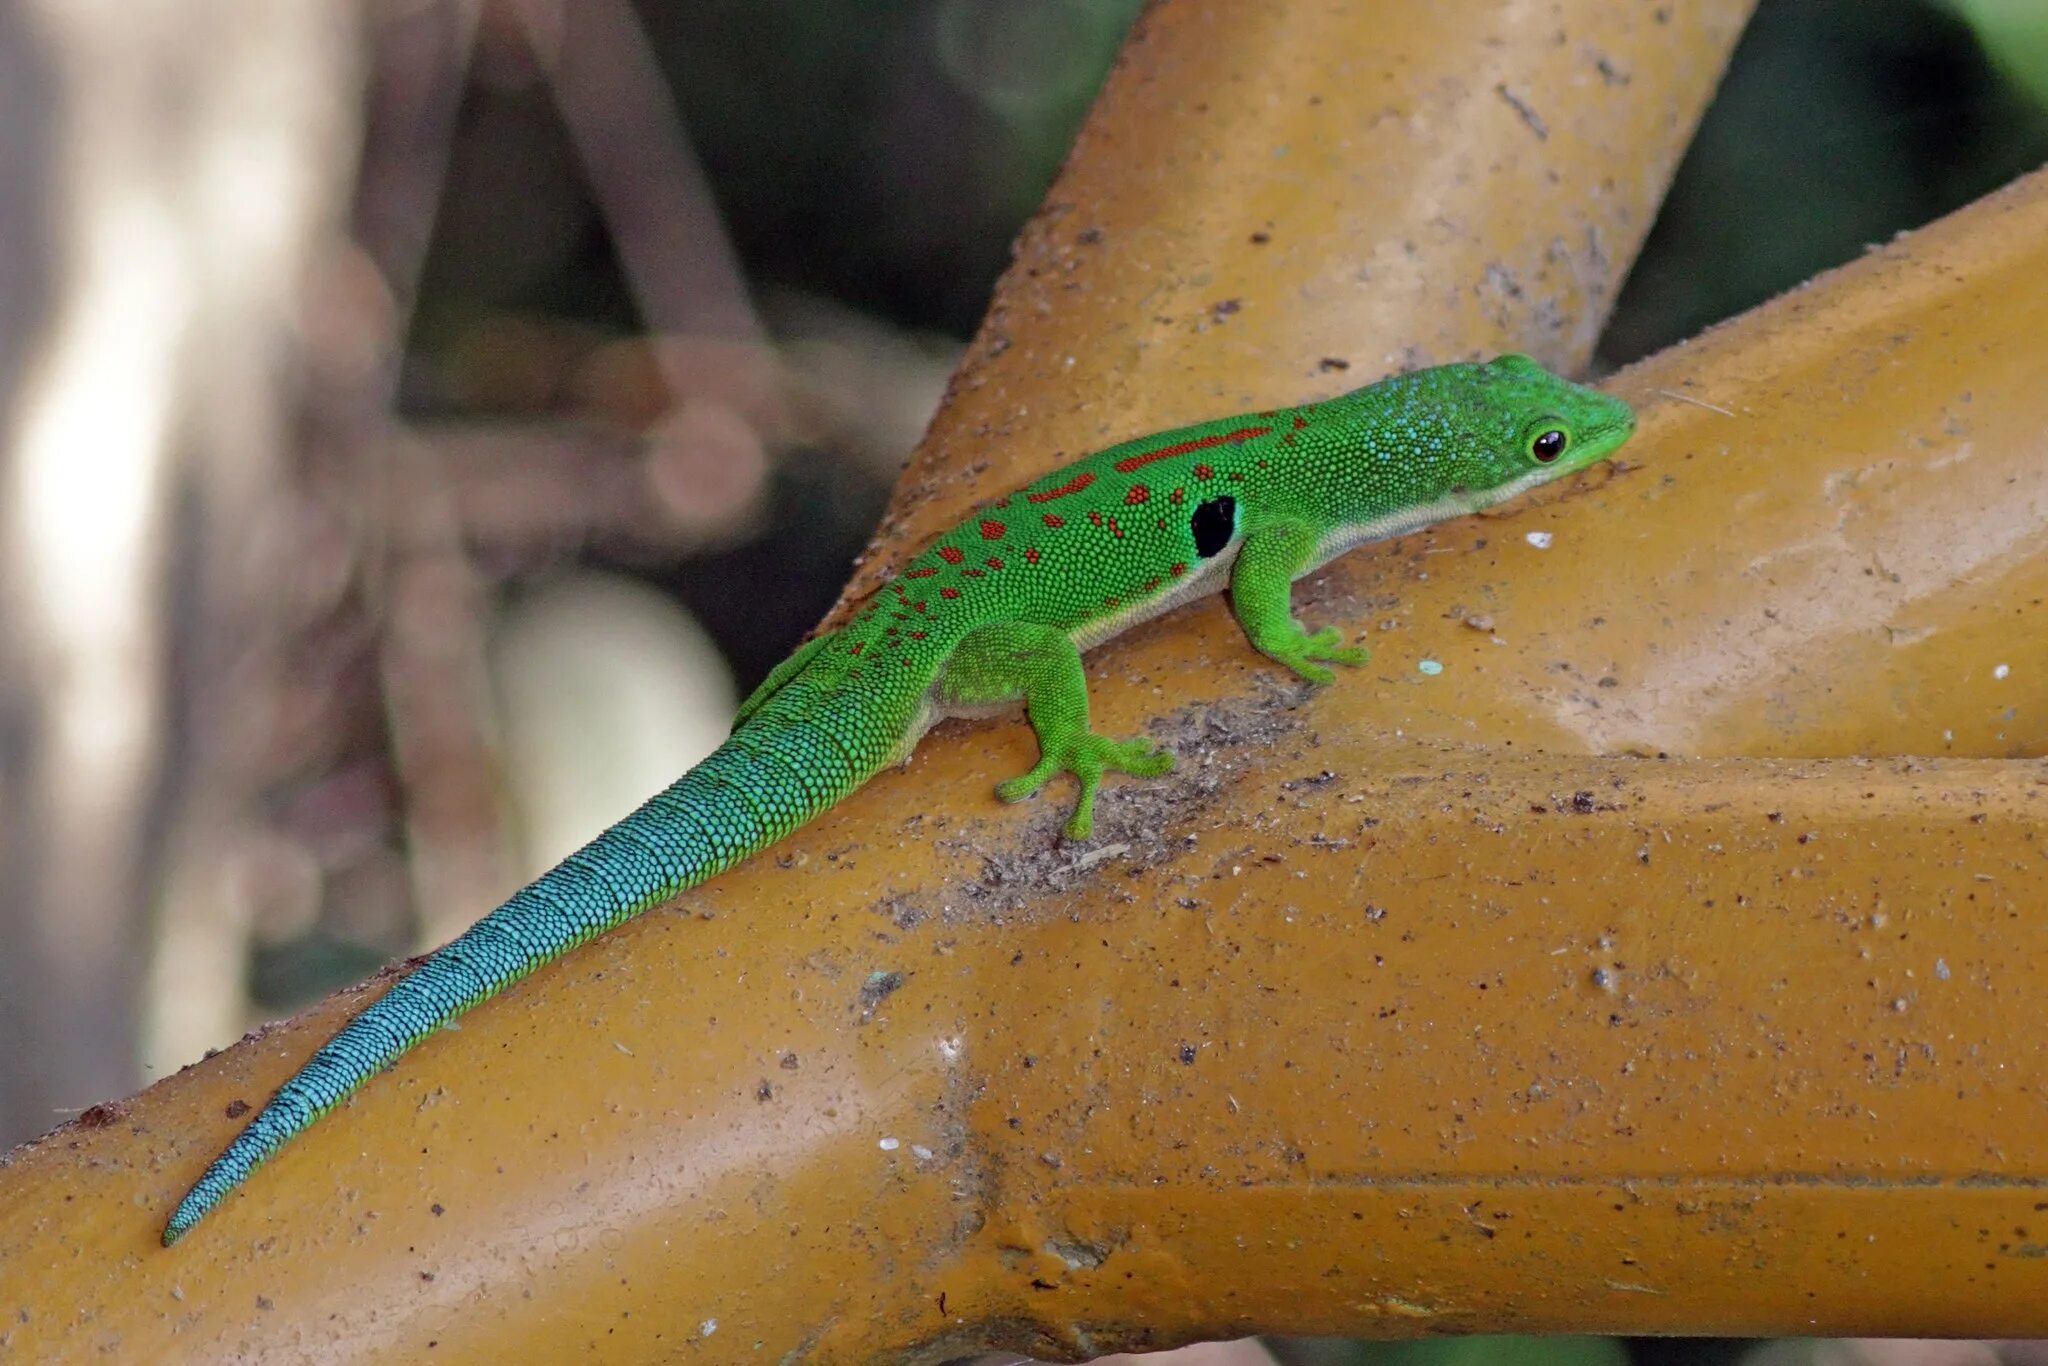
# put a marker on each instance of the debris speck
(1540, 539)
(920, 1152)
(1525, 111)
(890, 1145)
(1941, 968)
(1095, 856)
(2001, 671)
(1430, 667)
(707, 1328)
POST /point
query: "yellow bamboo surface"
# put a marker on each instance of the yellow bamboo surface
(1592, 983)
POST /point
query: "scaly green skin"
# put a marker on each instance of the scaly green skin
(994, 612)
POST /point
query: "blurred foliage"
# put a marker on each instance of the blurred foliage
(1840, 124)
(2015, 34)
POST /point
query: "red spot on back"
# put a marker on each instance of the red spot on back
(1237, 476)
(1095, 519)
(920, 573)
(858, 646)
(920, 604)
(950, 555)
(992, 530)
(949, 592)
(1115, 530)
(1299, 422)
(1177, 496)
(1111, 602)
(1001, 503)
(1138, 494)
(970, 573)
(1151, 584)
(1205, 471)
(1074, 485)
(1178, 570)
(1203, 443)
(1031, 557)
(917, 635)
(1054, 520)
(994, 563)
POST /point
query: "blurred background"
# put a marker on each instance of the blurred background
(421, 420)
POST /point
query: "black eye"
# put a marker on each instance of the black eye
(1214, 523)
(1548, 446)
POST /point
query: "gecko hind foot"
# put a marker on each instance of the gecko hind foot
(1309, 651)
(1088, 758)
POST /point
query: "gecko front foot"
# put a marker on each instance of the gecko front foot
(1087, 757)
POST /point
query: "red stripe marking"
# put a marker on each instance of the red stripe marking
(992, 530)
(1132, 462)
(1054, 520)
(1074, 485)
(971, 573)
(950, 555)
(919, 573)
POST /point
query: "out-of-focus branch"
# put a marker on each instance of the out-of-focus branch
(722, 382)
(140, 495)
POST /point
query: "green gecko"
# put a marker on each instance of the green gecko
(995, 612)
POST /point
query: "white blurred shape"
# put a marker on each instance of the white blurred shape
(608, 691)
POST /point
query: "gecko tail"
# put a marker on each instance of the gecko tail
(762, 783)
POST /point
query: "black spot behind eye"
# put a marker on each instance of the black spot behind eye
(1548, 446)
(1214, 523)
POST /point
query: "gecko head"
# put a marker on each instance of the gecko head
(1527, 426)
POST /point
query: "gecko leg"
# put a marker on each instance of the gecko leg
(1010, 660)
(1262, 596)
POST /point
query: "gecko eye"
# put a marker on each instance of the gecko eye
(1213, 524)
(1548, 445)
